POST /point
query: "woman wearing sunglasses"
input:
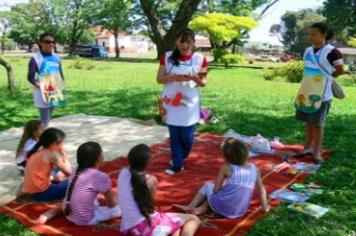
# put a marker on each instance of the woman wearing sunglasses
(45, 65)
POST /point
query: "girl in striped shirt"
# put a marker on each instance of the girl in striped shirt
(80, 205)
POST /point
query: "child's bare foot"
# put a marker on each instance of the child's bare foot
(184, 208)
(42, 219)
(266, 208)
(199, 210)
(318, 159)
(48, 215)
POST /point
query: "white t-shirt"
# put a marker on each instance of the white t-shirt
(29, 144)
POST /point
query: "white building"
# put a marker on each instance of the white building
(127, 43)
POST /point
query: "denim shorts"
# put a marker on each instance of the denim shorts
(54, 192)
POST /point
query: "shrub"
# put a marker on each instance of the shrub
(347, 80)
(291, 72)
(218, 53)
(231, 59)
(80, 64)
(294, 71)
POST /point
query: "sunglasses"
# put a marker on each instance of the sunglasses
(49, 42)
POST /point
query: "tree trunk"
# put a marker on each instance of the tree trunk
(117, 46)
(165, 40)
(10, 76)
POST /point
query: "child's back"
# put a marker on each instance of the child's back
(234, 198)
(131, 214)
(88, 185)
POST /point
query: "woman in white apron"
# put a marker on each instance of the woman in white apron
(44, 63)
(182, 71)
(323, 63)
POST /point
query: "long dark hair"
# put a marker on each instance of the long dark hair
(235, 151)
(29, 131)
(48, 137)
(87, 155)
(324, 29)
(184, 35)
(139, 157)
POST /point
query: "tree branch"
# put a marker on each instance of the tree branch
(268, 6)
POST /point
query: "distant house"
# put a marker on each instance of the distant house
(202, 43)
(127, 43)
(349, 54)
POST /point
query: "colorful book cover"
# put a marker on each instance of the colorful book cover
(309, 209)
(305, 188)
(53, 90)
(289, 196)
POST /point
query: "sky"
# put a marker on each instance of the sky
(261, 32)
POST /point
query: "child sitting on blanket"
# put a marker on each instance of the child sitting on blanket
(233, 190)
(31, 134)
(80, 205)
(136, 196)
(45, 158)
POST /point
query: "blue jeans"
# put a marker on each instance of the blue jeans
(45, 115)
(182, 139)
(54, 192)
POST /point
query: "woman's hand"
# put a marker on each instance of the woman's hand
(266, 208)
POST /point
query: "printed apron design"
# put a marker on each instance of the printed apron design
(180, 99)
(52, 86)
(311, 92)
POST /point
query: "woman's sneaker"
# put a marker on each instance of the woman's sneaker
(173, 170)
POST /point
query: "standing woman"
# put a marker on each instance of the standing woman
(45, 62)
(323, 63)
(182, 71)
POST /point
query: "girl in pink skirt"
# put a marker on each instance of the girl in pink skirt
(136, 196)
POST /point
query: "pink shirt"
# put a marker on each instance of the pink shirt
(130, 212)
(86, 189)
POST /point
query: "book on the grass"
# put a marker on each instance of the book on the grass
(306, 167)
(289, 196)
(309, 209)
(307, 188)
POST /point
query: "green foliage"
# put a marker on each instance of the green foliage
(222, 28)
(234, 7)
(218, 53)
(293, 30)
(291, 72)
(347, 80)
(81, 64)
(352, 42)
(341, 16)
(232, 59)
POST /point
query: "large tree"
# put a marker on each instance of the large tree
(115, 17)
(341, 16)
(163, 30)
(293, 30)
(74, 19)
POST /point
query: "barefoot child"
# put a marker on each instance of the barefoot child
(43, 158)
(323, 63)
(182, 71)
(32, 132)
(232, 192)
(136, 196)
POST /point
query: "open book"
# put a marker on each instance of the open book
(309, 209)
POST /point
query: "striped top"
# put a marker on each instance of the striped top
(89, 184)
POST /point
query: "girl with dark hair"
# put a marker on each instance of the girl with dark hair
(136, 195)
(48, 154)
(232, 192)
(44, 63)
(31, 134)
(323, 63)
(80, 205)
(182, 71)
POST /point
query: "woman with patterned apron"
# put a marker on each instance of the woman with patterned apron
(182, 71)
(46, 76)
(323, 63)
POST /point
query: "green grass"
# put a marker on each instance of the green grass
(241, 99)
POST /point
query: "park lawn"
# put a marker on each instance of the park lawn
(240, 98)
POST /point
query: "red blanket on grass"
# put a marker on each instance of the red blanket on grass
(202, 166)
